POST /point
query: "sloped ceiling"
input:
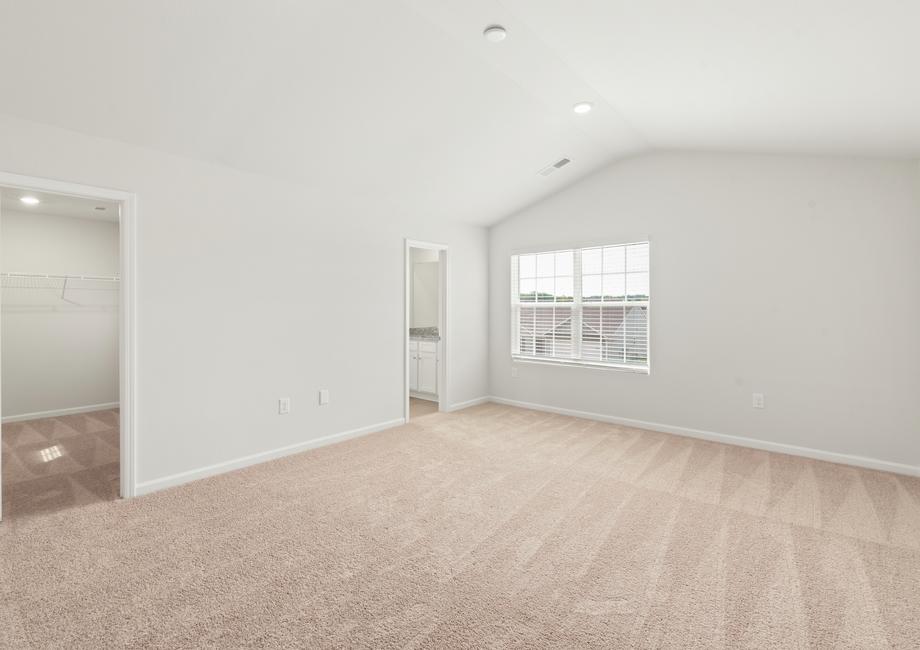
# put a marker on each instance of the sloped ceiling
(405, 102)
(789, 76)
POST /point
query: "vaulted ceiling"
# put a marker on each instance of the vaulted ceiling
(405, 102)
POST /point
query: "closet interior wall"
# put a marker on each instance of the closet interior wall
(60, 291)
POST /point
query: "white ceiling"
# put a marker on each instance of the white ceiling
(58, 205)
(792, 76)
(404, 101)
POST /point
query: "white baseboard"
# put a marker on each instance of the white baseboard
(469, 403)
(740, 441)
(173, 480)
(428, 397)
(59, 412)
(219, 468)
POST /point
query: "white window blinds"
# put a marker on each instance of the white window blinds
(586, 305)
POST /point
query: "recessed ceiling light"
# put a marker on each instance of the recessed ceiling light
(30, 200)
(495, 33)
(583, 107)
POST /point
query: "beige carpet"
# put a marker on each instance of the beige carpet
(58, 463)
(489, 527)
(421, 407)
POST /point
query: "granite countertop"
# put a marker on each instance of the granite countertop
(429, 333)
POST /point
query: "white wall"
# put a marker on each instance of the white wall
(58, 358)
(795, 277)
(245, 290)
(424, 283)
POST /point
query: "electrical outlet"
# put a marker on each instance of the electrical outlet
(514, 371)
(284, 406)
(323, 396)
(758, 401)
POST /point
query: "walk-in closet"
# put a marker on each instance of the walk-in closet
(59, 328)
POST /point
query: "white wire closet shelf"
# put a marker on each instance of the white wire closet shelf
(54, 291)
(58, 281)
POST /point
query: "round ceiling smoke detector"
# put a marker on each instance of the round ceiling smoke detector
(495, 33)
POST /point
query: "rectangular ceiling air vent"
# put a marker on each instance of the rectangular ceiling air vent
(549, 169)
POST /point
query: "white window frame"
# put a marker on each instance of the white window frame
(577, 307)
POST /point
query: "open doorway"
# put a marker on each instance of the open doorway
(62, 348)
(425, 329)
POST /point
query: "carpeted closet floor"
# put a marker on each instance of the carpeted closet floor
(57, 463)
(489, 527)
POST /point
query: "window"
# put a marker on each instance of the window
(582, 306)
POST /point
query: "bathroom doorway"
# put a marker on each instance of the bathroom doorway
(425, 329)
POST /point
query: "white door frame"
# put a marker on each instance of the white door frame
(443, 302)
(127, 323)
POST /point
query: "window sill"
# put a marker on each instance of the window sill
(639, 370)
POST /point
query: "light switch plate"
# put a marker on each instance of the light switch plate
(284, 406)
(323, 396)
(757, 402)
